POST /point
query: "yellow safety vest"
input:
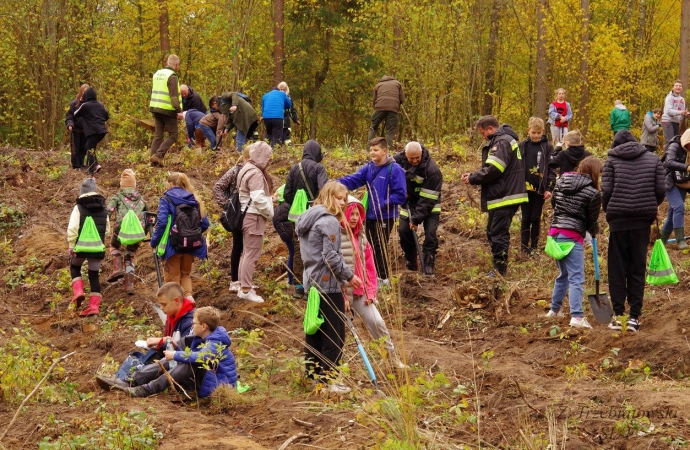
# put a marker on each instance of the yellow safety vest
(160, 97)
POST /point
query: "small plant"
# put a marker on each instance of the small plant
(11, 218)
(576, 372)
(26, 274)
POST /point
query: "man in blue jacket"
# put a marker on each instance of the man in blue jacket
(273, 106)
(387, 189)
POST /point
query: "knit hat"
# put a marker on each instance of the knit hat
(88, 186)
(685, 138)
(127, 179)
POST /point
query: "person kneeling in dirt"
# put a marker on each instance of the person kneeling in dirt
(86, 232)
(201, 363)
(178, 324)
(502, 179)
(422, 205)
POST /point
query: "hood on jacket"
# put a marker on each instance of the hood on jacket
(573, 182)
(507, 129)
(180, 196)
(622, 137)
(219, 334)
(307, 220)
(575, 153)
(389, 160)
(685, 139)
(628, 150)
(89, 95)
(386, 78)
(312, 150)
(621, 107)
(260, 154)
(352, 203)
(131, 194)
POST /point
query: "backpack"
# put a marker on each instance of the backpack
(185, 232)
(232, 216)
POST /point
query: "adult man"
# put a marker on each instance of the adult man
(388, 96)
(632, 189)
(502, 178)
(273, 106)
(674, 110)
(191, 100)
(422, 206)
(166, 106)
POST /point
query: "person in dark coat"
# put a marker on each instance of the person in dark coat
(290, 115)
(191, 100)
(388, 97)
(632, 189)
(566, 157)
(675, 157)
(74, 126)
(240, 114)
(92, 116)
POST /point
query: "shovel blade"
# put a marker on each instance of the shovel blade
(601, 308)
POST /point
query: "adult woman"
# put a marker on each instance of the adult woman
(560, 115)
(675, 163)
(674, 110)
(77, 139)
(290, 116)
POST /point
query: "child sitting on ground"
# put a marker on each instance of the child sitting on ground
(204, 361)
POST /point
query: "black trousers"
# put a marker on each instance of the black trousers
(274, 130)
(189, 376)
(378, 233)
(90, 147)
(390, 120)
(78, 151)
(498, 234)
(407, 237)
(627, 269)
(236, 255)
(531, 221)
(325, 347)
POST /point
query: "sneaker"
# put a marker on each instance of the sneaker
(338, 389)
(97, 169)
(299, 292)
(234, 286)
(579, 322)
(250, 296)
(137, 392)
(397, 362)
(553, 313)
(107, 384)
(384, 284)
(634, 325)
(615, 324)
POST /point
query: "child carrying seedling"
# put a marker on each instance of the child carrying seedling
(359, 257)
(318, 230)
(86, 232)
(576, 202)
(126, 200)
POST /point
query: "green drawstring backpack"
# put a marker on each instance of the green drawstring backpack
(365, 201)
(164, 240)
(557, 250)
(131, 231)
(299, 205)
(281, 194)
(89, 241)
(312, 320)
(660, 268)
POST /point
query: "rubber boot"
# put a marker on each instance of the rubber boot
(94, 303)
(429, 260)
(78, 289)
(129, 276)
(680, 238)
(117, 269)
(664, 236)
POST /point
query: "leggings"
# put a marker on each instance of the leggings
(94, 266)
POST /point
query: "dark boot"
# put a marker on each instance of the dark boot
(78, 289)
(94, 303)
(429, 260)
(129, 275)
(680, 238)
(117, 269)
(664, 236)
(134, 392)
(411, 263)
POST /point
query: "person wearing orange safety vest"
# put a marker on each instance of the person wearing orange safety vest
(166, 106)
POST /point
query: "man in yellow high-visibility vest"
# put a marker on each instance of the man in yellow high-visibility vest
(166, 106)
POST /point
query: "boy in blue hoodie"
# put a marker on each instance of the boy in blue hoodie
(385, 182)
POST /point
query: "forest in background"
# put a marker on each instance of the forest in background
(457, 60)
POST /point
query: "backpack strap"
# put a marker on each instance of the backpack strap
(304, 178)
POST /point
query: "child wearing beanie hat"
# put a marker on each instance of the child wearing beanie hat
(128, 198)
(84, 246)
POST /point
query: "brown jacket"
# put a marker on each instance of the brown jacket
(388, 95)
(215, 121)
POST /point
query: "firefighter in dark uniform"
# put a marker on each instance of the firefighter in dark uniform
(422, 206)
(502, 178)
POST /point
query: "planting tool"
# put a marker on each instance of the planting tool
(673, 240)
(416, 242)
(360, 347)
(601, 306)
(151, 218)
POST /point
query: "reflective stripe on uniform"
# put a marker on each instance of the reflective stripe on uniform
(507, 201)
(403, 213)
(437, 209)
(132, 235)
(515, 147)
(428, 193)
(417, 179)
(293, 217)
(497, 162)
(660, 273)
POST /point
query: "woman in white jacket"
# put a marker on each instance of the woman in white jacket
(254, 184)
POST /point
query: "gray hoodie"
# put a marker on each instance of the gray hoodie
(319, 240)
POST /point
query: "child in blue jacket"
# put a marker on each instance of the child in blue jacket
(385, 181)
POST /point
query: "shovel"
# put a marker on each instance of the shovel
(416, 242)
(360, 347)
(601, 307)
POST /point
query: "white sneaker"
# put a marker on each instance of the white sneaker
(250, 296)
(234, 286)
(384, 284)
(398, 364)
(579, 322)
(339, 389)
(553, 313)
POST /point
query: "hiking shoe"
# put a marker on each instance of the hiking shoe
(615, 324)
(134, 392)
(234, 286)
(338, 389)
(397, 362)
(553, 313)
(633, 325)
(299, 292)
(250, 296)
(107, 383)
(579, 322)
(156, 161)
(411, 265)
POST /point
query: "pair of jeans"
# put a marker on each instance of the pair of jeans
(557, 133)
(324, 348)
(627, 269)
(571, 279)
(676, 209)
(390, 119)
(188, 376)
(378, 233)
(210, 135)
(531, 221)
(178, 268)
(670, 130)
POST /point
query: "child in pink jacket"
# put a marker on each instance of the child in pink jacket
(359, 255)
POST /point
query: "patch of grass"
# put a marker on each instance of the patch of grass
(26, 275)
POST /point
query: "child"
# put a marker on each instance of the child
(650, 129)
(576, 202)
(213, 124)
(566, 157)
(192, 119)
(178, 324)
(318, 230)
(619, 117)
(127, 199)
(89, 204)
(178, 261)
(360, 258)
(560, 114)
(385, 181)
(536, 152)
(204, 361)
(93, 116)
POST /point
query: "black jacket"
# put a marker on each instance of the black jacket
(547, 173)
(502, 175)
(674, 162)
(93, 206)
(314, 172)
(91, 114)
(424, 183)
(290, 115)
(568, 159)
(69, 117)
(281, 222)
(576, 204)
(632, 184)
(193, 101)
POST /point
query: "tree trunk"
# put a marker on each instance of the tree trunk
(490, 77)
(278, 40)
(685, 43)
(319, 79)
(584, 65)
(541, 102)
(163, 24)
